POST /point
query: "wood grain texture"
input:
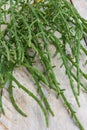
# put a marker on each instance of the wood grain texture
(12, 120)
(81, 5)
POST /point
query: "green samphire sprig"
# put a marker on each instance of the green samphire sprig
(32, 27)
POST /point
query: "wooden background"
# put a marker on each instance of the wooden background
(35, 120)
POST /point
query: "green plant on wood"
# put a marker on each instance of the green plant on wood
(32, 26)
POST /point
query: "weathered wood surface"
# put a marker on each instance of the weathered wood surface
(35, 120)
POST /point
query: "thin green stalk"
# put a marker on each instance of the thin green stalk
(77, 61)
(43, 96)
(75, 65)
(13, 100)
(13, 20)
(72, 112)
(84, 50)
(82, 85)
(34, 97)
(63, 56)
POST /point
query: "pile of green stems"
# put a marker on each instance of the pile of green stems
(32, 28)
